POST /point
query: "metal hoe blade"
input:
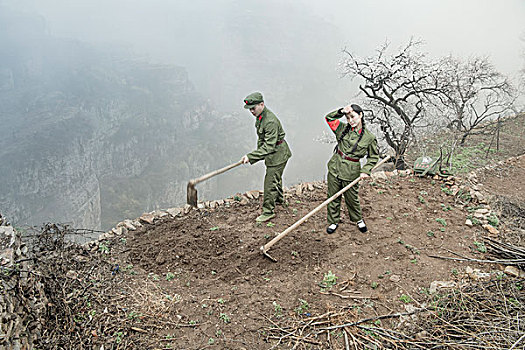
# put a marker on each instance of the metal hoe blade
(265, 253)
(191, 194)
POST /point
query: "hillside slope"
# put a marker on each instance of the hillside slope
(199, 279)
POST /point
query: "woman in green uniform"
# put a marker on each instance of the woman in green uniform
(354, 142)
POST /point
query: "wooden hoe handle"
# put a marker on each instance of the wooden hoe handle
(213, 173)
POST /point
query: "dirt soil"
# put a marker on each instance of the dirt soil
(201, 281)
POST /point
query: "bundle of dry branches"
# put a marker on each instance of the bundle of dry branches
(484, 315)
(507, 251)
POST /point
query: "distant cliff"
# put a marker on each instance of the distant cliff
(91, 135)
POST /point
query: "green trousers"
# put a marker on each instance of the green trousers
(273, 187)
(351, 199)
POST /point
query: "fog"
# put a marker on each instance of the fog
(206, 36)
(288, 50)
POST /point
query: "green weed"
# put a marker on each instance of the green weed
(329, 280)
(441, 221)
(405, 299)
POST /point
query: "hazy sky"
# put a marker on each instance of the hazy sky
(183, 31)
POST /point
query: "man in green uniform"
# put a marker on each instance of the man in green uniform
(271, 147)
(354, 142)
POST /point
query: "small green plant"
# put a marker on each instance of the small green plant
(413, 261)
(329, 280)
(493, 220)
(133, 315)
(303, 307)
(103, 248)
(170, 276)
(474, 220)
(455, 272)
(270, 224)
(412, 249)
(298, 202)
(277, 309)
(480, 246)
(193, 322)
(374, 285)
(421, 200)
(237, 198)
(446, 190)
(266, 235)
(389, 218)
(441, 221)
(118, 337)
(405, 299)
(225, 318)
(294, 211)
(214, 228)
(445, 207)
(211, 341)
(466, 197)
(294, 253)
(221, 301)
(218, 333)
(430, 234)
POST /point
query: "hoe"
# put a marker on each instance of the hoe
(191, 195)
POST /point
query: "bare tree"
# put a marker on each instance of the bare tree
(397, 89)
(474, 92)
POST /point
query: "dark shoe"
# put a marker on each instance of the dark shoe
(331, 228)
(362, 226)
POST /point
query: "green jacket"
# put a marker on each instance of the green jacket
(346, 169)
(269, 133)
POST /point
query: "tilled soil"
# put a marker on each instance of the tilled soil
(202, 281)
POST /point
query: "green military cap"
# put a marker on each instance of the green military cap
(253, 100)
